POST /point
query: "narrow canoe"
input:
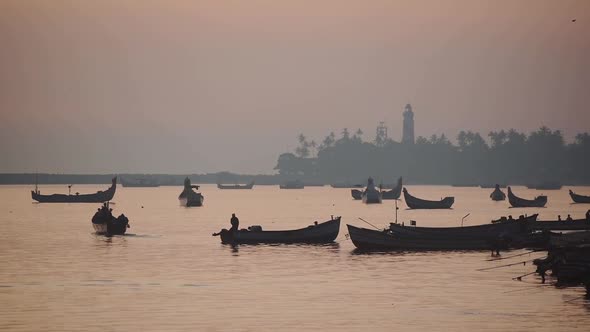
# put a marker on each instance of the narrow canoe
(236, 186)
(394, 193)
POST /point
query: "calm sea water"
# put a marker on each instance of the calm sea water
(170, 274)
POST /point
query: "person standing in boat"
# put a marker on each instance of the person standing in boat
(235, 223)
(588, 216)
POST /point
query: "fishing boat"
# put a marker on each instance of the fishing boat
(105, 223)
(292, 185)
(394, 193)
(188, 197)
(492, 231)
(356, 194)
(579, 198)
(141, 182)
(325, 232)
(516, 201)
(368, 239)
(236, 186)
(497, 194)
(371, 195)
(98, 197)
(417, 203)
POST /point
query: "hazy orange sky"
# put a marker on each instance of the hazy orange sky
(199, 86)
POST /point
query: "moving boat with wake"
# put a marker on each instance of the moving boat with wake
(188, 197)
(105, 223)
(98, 197)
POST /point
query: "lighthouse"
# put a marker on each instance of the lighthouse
(408, 130)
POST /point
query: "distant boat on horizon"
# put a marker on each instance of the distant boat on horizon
(141, 182)
(236, 186)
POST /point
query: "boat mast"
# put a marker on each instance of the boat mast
(396, 208)
(36, 183)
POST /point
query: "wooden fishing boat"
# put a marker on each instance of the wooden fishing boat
(371, 195)
(497, 194)
(394, 193)
(356, 194)
(417, 203)
(292, 185)
(368, 239)
(325, 232)
(516, 201)
(236, 186)
(137, 183)
(105, 223)
(188, 197)
(98, 197)
(486, 231)
(579, 198)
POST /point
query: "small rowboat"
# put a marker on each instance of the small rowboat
(417, 203)
(516, 201)
(498, 194)
(394, 193)
(325, 232)
(356, 194)
(579, 198)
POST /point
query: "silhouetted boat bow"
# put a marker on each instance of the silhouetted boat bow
(516, 201)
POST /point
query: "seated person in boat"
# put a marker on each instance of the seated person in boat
(235, 224)
(588, 216)
(569, 218)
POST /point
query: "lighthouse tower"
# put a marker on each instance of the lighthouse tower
(408, 131)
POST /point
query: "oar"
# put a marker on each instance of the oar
(519, 278)
(521, 254)
(377, 228)
(497, 267)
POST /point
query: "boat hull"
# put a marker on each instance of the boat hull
(99, 197)
(498, 195)
(579, 198)
(356, 194)
(325, 232)
(367, 239)
(394, 193)
(417, 203)
(516, 201)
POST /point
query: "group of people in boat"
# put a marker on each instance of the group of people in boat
(569, 217)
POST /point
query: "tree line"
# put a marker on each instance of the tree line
(507, 157)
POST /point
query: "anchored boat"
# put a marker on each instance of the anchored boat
(325, 232)
(98, 197)
(417, 203)
(516, 201)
